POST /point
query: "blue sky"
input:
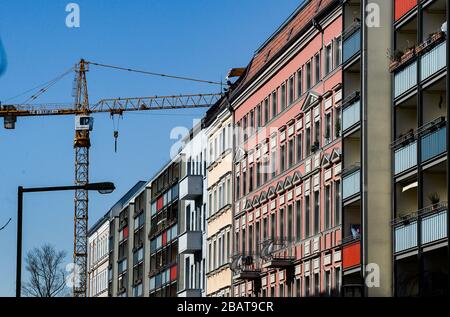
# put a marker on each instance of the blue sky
(196, 38)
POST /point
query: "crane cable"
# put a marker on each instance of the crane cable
(155, 74)
(45, 86)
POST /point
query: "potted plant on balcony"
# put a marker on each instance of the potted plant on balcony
(434, 199)
(409, 53)
(395, 57)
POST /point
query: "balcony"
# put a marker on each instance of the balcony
(351, 252)
(190, 242)
(351, 112)
(433, 223)
(352, 42)
(351, 184)
(246, 267)
(277, 253)
(190, 293)
(434, 142)
(405, 153)
(405, 79)
(191, 187)
(433, 61)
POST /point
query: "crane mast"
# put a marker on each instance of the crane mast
(81, 146)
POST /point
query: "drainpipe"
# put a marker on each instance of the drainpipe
(364, 140)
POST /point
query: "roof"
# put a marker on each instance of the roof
(118, 206)
(289, 31)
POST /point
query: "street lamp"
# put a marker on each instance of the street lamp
(102, 188)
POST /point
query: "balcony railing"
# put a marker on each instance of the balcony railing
(434, 143)
(433, 61)
(277, 253)
(433, 222)
(405, 79)
(351, 112)
(352, 42)
(246, 266)
(405, 155)
(351, 184)
(351, 252)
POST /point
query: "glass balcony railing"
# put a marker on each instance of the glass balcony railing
(351, 184)
(405, 157)
(351, 115)
(433, 61)
(352, 43)
(434, 143)
(405, 79)
(433, 223)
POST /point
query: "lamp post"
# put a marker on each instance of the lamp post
(102, 188)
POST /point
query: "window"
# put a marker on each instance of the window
(252, 122)
(337, 123)
(281, 290)
(308, 75)
(283, 97)
(298, 225)
(299, 83)
(244, 183)
(258, 174)
(328, 283)
(316, 284)
(291, 151)
(316, 212)
(291, 91)
(307, 216)
(243, 241)
(250, 239)
(298, 289)
(327, 207)
(337, 281)
(299, 147)
(328, 59)
(274, 104)
(290, 223)
(337, 203)
(281, 232)
(307, 286)
(266, 111)
(308, 141)
(257, 235)
(317, 134)
(238, 189)
(244, 128)
(228, 191)
(317, 68)
(273, 161)
(337, 51)
(265, 229)
(258, 117)
(328, 128)
(282, 158)
(272, 226)
(250, 178)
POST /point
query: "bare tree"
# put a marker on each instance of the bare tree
(47, 275)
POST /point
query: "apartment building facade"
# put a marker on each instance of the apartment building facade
(287, 168)
(98, 240)
(163, 231)
(218, 126)
(127, 222)
(419, 148)
(192, 214)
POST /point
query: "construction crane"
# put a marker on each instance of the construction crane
(83, 110)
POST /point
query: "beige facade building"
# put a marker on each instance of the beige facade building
(218, 124)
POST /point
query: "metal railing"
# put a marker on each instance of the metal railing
(277, 249)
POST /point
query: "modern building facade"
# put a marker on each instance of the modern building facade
(126, 243)
(287, 167)
(98, 244)
(192, 215)
(219, 131)
(419, 148)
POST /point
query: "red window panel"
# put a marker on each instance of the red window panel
(125, 232)
(351, 254)
(164, 238)
(173, 273)
(403, 6)
(159, 204)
